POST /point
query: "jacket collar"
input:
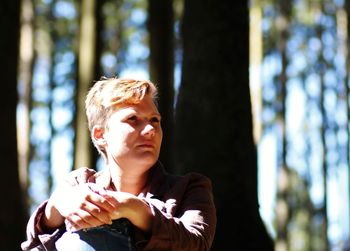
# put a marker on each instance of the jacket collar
(156, 186)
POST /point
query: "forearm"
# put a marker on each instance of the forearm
(141, 216)
(37, 237)
(186, 223)
(52, 218)
(172, 233)
(131, 207)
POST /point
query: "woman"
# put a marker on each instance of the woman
(132, 204)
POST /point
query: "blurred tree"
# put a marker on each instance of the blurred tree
(87, 60)
(25, 75)
(301, 53)
(161, 32)
(283, 215)
(213, 121)
(12, 212)
(320, 30)
(97, 71)
(305, 111)
(347, 88)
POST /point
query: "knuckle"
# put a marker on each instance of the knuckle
(95, 210)
(82, 205)
(89, 218)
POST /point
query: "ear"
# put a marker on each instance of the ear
(97, 135)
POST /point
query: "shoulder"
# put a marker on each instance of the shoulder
(192, 178)
(198, 180)
(197, 177)
(185, 183)
(163, 182)
(81, 175)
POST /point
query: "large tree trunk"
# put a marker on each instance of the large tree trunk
(160, 25)
(12, 212)
(214, 132)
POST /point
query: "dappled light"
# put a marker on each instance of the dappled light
(304, 91)
(298, 79)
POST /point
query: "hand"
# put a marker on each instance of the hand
(81, 206)
(129, 206)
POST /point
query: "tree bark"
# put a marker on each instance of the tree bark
(83, 151)
(160, 26)
(12, 212)
(214, 132)
(25, 68)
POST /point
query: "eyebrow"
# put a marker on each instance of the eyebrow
(157, 114)
(133, 111)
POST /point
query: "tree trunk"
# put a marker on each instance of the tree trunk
(12, 212)
(160, 25)
(283, 211)
(214, 132)
(323, 132)
(26, 59)
(98, 71)
(347, 79)
(83, 151)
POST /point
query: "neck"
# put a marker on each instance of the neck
(126, 182)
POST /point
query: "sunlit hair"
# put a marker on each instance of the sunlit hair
(107, 94)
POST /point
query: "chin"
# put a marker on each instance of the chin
(148, 160)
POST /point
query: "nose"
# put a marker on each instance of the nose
(148, 130)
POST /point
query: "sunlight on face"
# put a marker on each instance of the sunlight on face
(134, 135)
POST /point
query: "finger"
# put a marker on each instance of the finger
(95, 188)
(76, 223)
(71, 226)
(82, 219)
(91, 213)
(119, 202)
(100, 201)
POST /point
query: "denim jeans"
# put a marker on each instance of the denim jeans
(116, 237)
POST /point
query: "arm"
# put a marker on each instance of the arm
(73, 201)
(129, 206)
(79, 205)
(187, 220)
(37, 239)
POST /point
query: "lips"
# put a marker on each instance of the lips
(146, 145)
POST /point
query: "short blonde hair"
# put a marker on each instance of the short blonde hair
(107, 93)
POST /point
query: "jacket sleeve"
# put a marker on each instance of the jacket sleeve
(187, 218)
(37, 237)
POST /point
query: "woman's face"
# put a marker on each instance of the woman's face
(133, 135)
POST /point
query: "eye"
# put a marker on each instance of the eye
(132, 118)
(155, 120)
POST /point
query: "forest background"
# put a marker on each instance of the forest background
(253, 94)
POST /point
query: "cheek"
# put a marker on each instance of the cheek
(117, 144)
(161, 137)
(121, 136)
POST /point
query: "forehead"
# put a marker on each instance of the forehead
(146, 105)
